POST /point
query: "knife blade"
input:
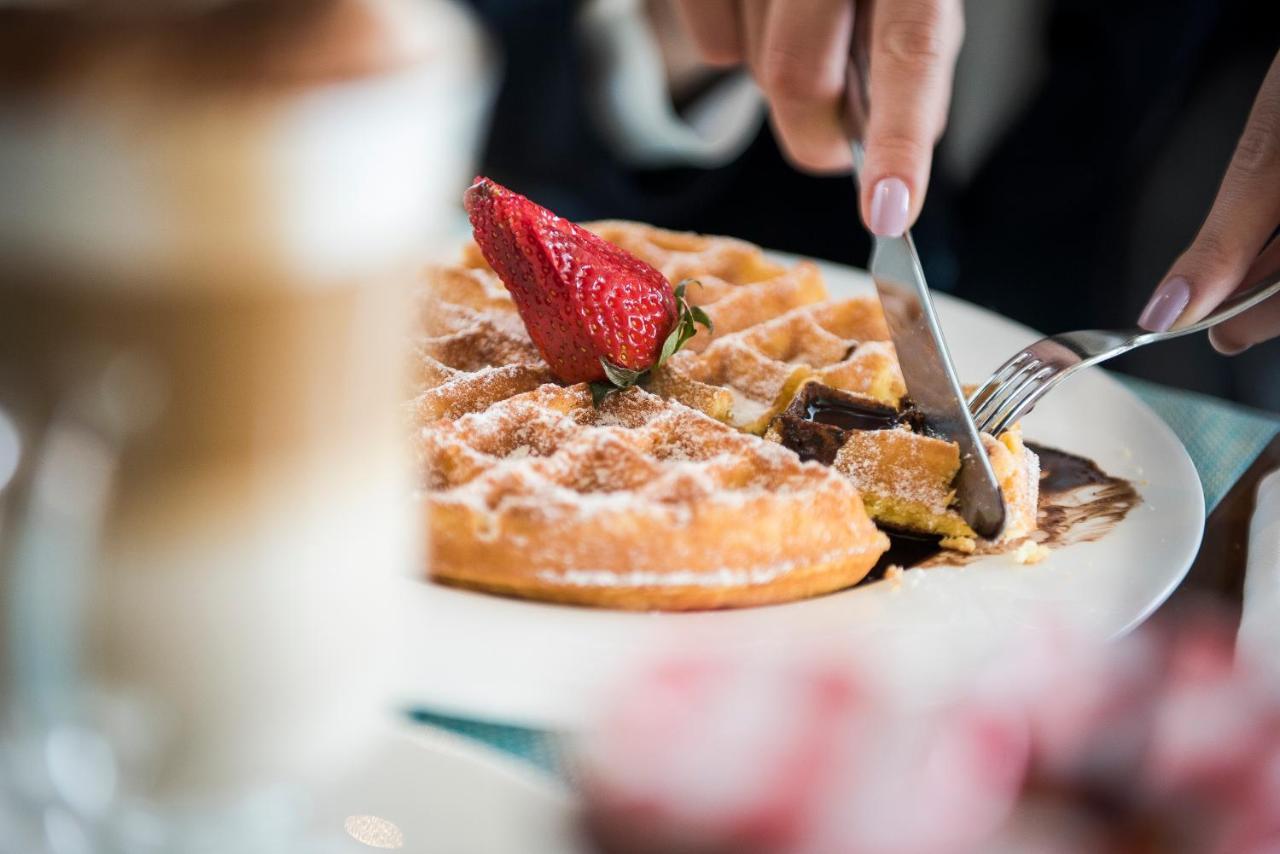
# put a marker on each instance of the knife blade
(931, 379)
(922, 350)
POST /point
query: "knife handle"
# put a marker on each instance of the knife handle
(857, 108)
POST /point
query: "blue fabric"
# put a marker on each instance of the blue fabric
(1222, 439)
(545, 750)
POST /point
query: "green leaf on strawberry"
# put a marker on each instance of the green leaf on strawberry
(620, 377)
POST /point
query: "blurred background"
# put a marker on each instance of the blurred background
(1086, 142)
(211, 215)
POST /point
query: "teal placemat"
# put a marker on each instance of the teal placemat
(543, 749)
(1222, 439)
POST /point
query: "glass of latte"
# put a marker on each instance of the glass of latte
(211, 216)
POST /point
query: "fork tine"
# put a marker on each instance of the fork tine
(999, 386)
(1028, 403)
(1023, 398)
(1025, 384)
(1007, 388)
(981, 396)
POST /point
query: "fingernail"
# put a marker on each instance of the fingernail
(890, 203)
(1166, 305)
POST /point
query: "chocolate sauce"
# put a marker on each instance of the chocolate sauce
(812, 441)
(818, 404)
(847, 415)
(1079, 502)
(817, 421)
(905, 550)
(1063, 472)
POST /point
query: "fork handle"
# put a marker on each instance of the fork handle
(1230, 307)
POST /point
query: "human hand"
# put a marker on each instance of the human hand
(798, 52)
(1237, 244)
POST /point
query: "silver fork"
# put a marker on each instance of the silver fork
(1017, 385)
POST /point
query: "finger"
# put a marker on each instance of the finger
(804, 54)
(1259, 323)
(1243, 216)
(715, 28)
(914, 45)
(1256, 325)
(752, 15)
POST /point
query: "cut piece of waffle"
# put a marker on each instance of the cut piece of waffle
(905, 476)
(748, 377)
(640, 504)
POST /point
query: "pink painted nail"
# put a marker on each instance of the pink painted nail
(1166, 305)
(890, 203)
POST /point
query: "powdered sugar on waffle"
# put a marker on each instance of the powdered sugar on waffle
(914, 484)
(526, 483)
(840, 343)
(551, 452)
(722, 577)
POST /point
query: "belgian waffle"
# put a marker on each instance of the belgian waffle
(472, 348)
(748, 377)
(904, 474)
(647, 503)
(738, 286)
(642, 503)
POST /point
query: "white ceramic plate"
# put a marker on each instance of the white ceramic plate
(423, 791)
(542, 665)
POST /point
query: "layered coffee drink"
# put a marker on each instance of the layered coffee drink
(230, 200)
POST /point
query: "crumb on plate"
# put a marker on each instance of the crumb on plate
(893, 575)
(1030, 552)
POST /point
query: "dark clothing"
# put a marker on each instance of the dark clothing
(1070, 222)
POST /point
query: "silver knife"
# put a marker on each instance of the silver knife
(917, 337)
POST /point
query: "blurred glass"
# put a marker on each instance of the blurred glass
(225, 204)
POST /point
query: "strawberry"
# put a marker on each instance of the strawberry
(597, 313)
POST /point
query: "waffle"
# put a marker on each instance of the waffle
(905, 476)
(472, 348)
(655, 501)
(746, 378)
(640, 504)
(738, 286)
